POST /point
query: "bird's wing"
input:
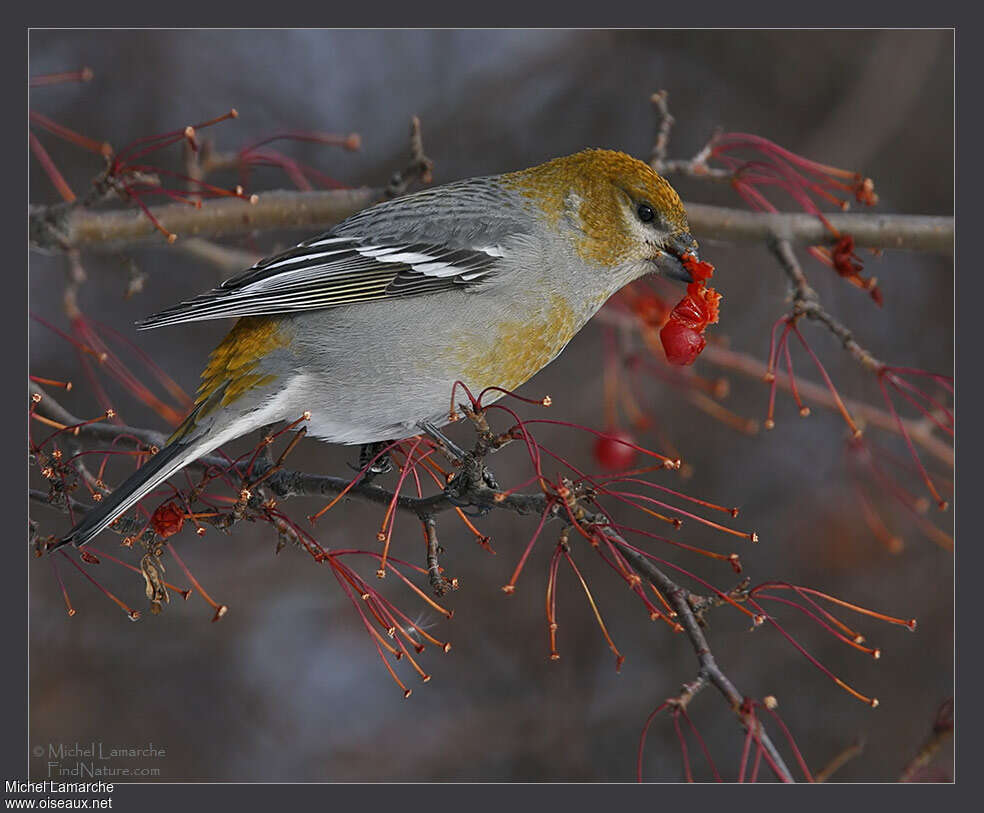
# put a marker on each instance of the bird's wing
(333, 270)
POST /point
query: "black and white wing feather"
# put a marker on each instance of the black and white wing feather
(328, 271)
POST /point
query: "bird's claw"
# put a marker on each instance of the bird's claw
(381, 465)
(489, 478)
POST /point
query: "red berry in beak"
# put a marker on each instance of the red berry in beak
(682, 344)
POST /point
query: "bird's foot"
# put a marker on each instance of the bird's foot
(488, 477)
(371, 462)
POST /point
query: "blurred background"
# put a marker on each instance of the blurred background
(288, 686)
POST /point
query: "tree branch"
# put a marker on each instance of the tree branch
(469, 489)
(807, 303)
(708, 666)
(85, 229)
(62, 228)
(906, 232)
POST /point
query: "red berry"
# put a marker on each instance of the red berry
(691, 310)
(682, 344)
(612, 453)
(167, 520)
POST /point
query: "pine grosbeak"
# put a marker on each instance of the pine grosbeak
(368, 326)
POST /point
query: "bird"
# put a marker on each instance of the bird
(367, 327)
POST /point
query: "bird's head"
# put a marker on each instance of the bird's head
(620, 213)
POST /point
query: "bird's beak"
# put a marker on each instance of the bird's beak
(668, 260)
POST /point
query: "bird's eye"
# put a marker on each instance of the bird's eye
(646, 213)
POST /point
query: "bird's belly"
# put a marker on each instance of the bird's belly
(373, 372)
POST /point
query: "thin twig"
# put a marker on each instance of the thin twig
(666, 122)
(839, 760)
(437, 580)
(806, 303)
(708, 666)
(941, 732)
(64, 226)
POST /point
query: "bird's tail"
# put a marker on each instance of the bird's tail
(190, 441)
(162, 465)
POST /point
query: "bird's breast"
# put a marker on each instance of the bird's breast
(520, 344)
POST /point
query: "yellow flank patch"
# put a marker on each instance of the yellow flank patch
(520, 348)
(232, 363)
(600, 178)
